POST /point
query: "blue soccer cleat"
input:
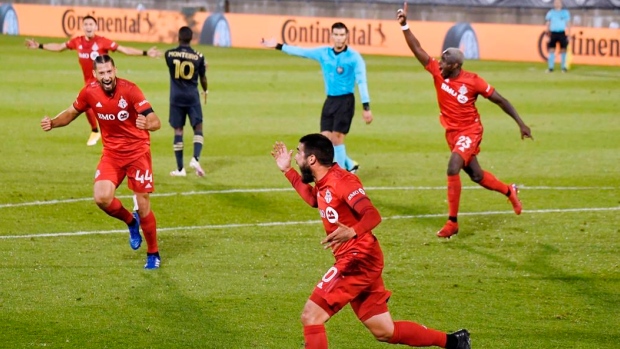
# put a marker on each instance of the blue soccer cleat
(135, 240)
(152, 261)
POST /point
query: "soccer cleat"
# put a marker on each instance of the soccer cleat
(549, 71)
(93, 139)
(135, 239)
(463, 341)
(177, 173)
(196, 166)
(449, 229)
(355, 168)
(152, 261)
(514, 199)
(564, 70)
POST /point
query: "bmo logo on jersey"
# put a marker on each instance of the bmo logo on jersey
(121, 116)
(331, 215)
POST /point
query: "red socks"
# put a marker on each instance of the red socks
(116, 210)
(454, 195)
(416, 335)
(490, 182)
(315, 337)
(149, 229)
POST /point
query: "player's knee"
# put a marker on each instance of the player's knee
(103, 200)
(476, 177)
(308, 318)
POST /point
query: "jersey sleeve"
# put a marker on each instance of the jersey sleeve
(72, 44)
(354, 195)
(306, 191)
(482, 87)
(138, 100)
(433, 67)
(360, 78)
(81, 101)
(311, 53)
(109, 44)
(548, 16)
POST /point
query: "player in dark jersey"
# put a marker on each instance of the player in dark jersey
(348, 217)
(186, 67)
(89, 46)
(126, 118)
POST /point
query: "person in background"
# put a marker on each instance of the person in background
(186, 67)
(342, 68)
(558, 30)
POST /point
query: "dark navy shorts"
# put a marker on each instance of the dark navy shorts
(178, 114)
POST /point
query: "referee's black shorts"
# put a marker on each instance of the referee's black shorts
(558, 37)
(338, 113)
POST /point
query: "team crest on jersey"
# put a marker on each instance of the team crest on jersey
(462, 98)
(95, 47)
(339, 70)
(122, 103)
(328, 196)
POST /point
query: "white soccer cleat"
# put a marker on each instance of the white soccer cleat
(93, 138)
(196, 166)
(177, 173)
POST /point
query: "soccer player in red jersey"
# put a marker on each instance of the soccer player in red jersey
(89, 46)
(125, 117)
(457, 91)
(348, 217)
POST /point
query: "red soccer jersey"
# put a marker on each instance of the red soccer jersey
(88, 50)
(457, 97)
(117, 114)
(337, 193)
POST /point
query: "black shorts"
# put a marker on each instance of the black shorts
(338, 113)
(558, 37)
(178, 113)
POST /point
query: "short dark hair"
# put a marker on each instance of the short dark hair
(89, 17)
(340, 25)
(185, 35)
(102, 59)
(320, 146)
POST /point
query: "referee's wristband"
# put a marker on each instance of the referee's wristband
(405, 26)
(144, 53)
(366, 106)
(41, 46)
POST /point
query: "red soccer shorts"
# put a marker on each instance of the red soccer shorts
(356, 279)
(139, 172)
(465, 142)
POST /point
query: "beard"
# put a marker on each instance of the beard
(306, 174)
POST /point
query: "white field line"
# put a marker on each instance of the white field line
(270, 190)
(272, 224)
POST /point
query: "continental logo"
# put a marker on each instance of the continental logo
(134, 24)
(294, 32)
(582, 45)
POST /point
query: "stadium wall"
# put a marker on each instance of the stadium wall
(506, 42)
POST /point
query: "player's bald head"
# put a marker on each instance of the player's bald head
(453, 55)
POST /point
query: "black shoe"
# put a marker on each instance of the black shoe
(564, 70)
(355, 167)
(462, 337)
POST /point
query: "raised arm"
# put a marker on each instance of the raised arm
(311, 53)
(510, 110)
(282, 156)
(412, 41)
(54, 47)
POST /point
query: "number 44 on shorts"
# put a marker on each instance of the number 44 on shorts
(146, 176)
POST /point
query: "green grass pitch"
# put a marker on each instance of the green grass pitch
(240, 250)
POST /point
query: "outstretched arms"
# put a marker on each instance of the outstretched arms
(130, 51)
(55, 47)
(412, 41)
